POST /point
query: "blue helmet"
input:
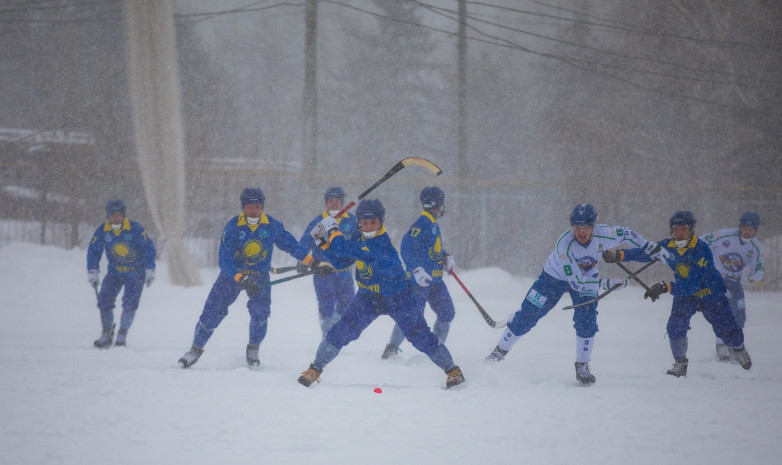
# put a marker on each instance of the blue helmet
(750, 219)
(683, 217)
(335, 192)
(115, 205)
(432, 197)
(369, 209)
(252, 195)
(583, 215)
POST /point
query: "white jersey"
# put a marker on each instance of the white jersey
(577, 264)
(732, 254)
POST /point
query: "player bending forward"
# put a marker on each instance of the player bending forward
(383, 288)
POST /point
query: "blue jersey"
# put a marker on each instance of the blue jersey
(128, 250)
(423, 246)
(378, 266)
(248, 248)
(693, 268)
(347, 225)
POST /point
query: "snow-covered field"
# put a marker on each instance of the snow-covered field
(64, 402)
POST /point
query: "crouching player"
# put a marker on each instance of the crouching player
(383, 288)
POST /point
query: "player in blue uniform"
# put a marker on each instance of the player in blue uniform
(131, 263)
(698, 286)
(333, 288)
(426, 262)
(383, 288)
(245, 260)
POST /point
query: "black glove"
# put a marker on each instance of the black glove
(324, 270)
(613, 256)
(301, 267)
(249, 285)
(656, 290)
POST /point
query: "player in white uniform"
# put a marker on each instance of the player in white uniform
(736, 250)
(572, 268)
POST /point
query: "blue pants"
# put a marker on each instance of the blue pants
(365, 308)
(439, 299)
(717, 313)
(109, 290)
(543, 296)
(334, 293)
(225, 292)
(735, 296)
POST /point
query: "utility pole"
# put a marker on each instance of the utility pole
(310, 119)
(461, 52)
(465, 197)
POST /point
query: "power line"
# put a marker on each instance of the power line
(250, 8)
(579, 63)
(620, 26)
(453, 16)
(591, 65)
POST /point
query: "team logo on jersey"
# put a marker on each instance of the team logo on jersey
(750, 253)
(436, 251)
(586, 263)
(253, 253)
(537, 299)
(683, 270)
(732, 261)
(122, 252)
(364, 269)
(726, 243)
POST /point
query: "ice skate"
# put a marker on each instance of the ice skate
(190, 357)
(105, 339)
(309, 376)
(252, 356)
(390, 351)
(496, 356)
(583, 374)
(679, 368)
(121, 335)
(742, 356)
(455, 377)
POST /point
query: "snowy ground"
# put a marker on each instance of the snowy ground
(64, 402)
